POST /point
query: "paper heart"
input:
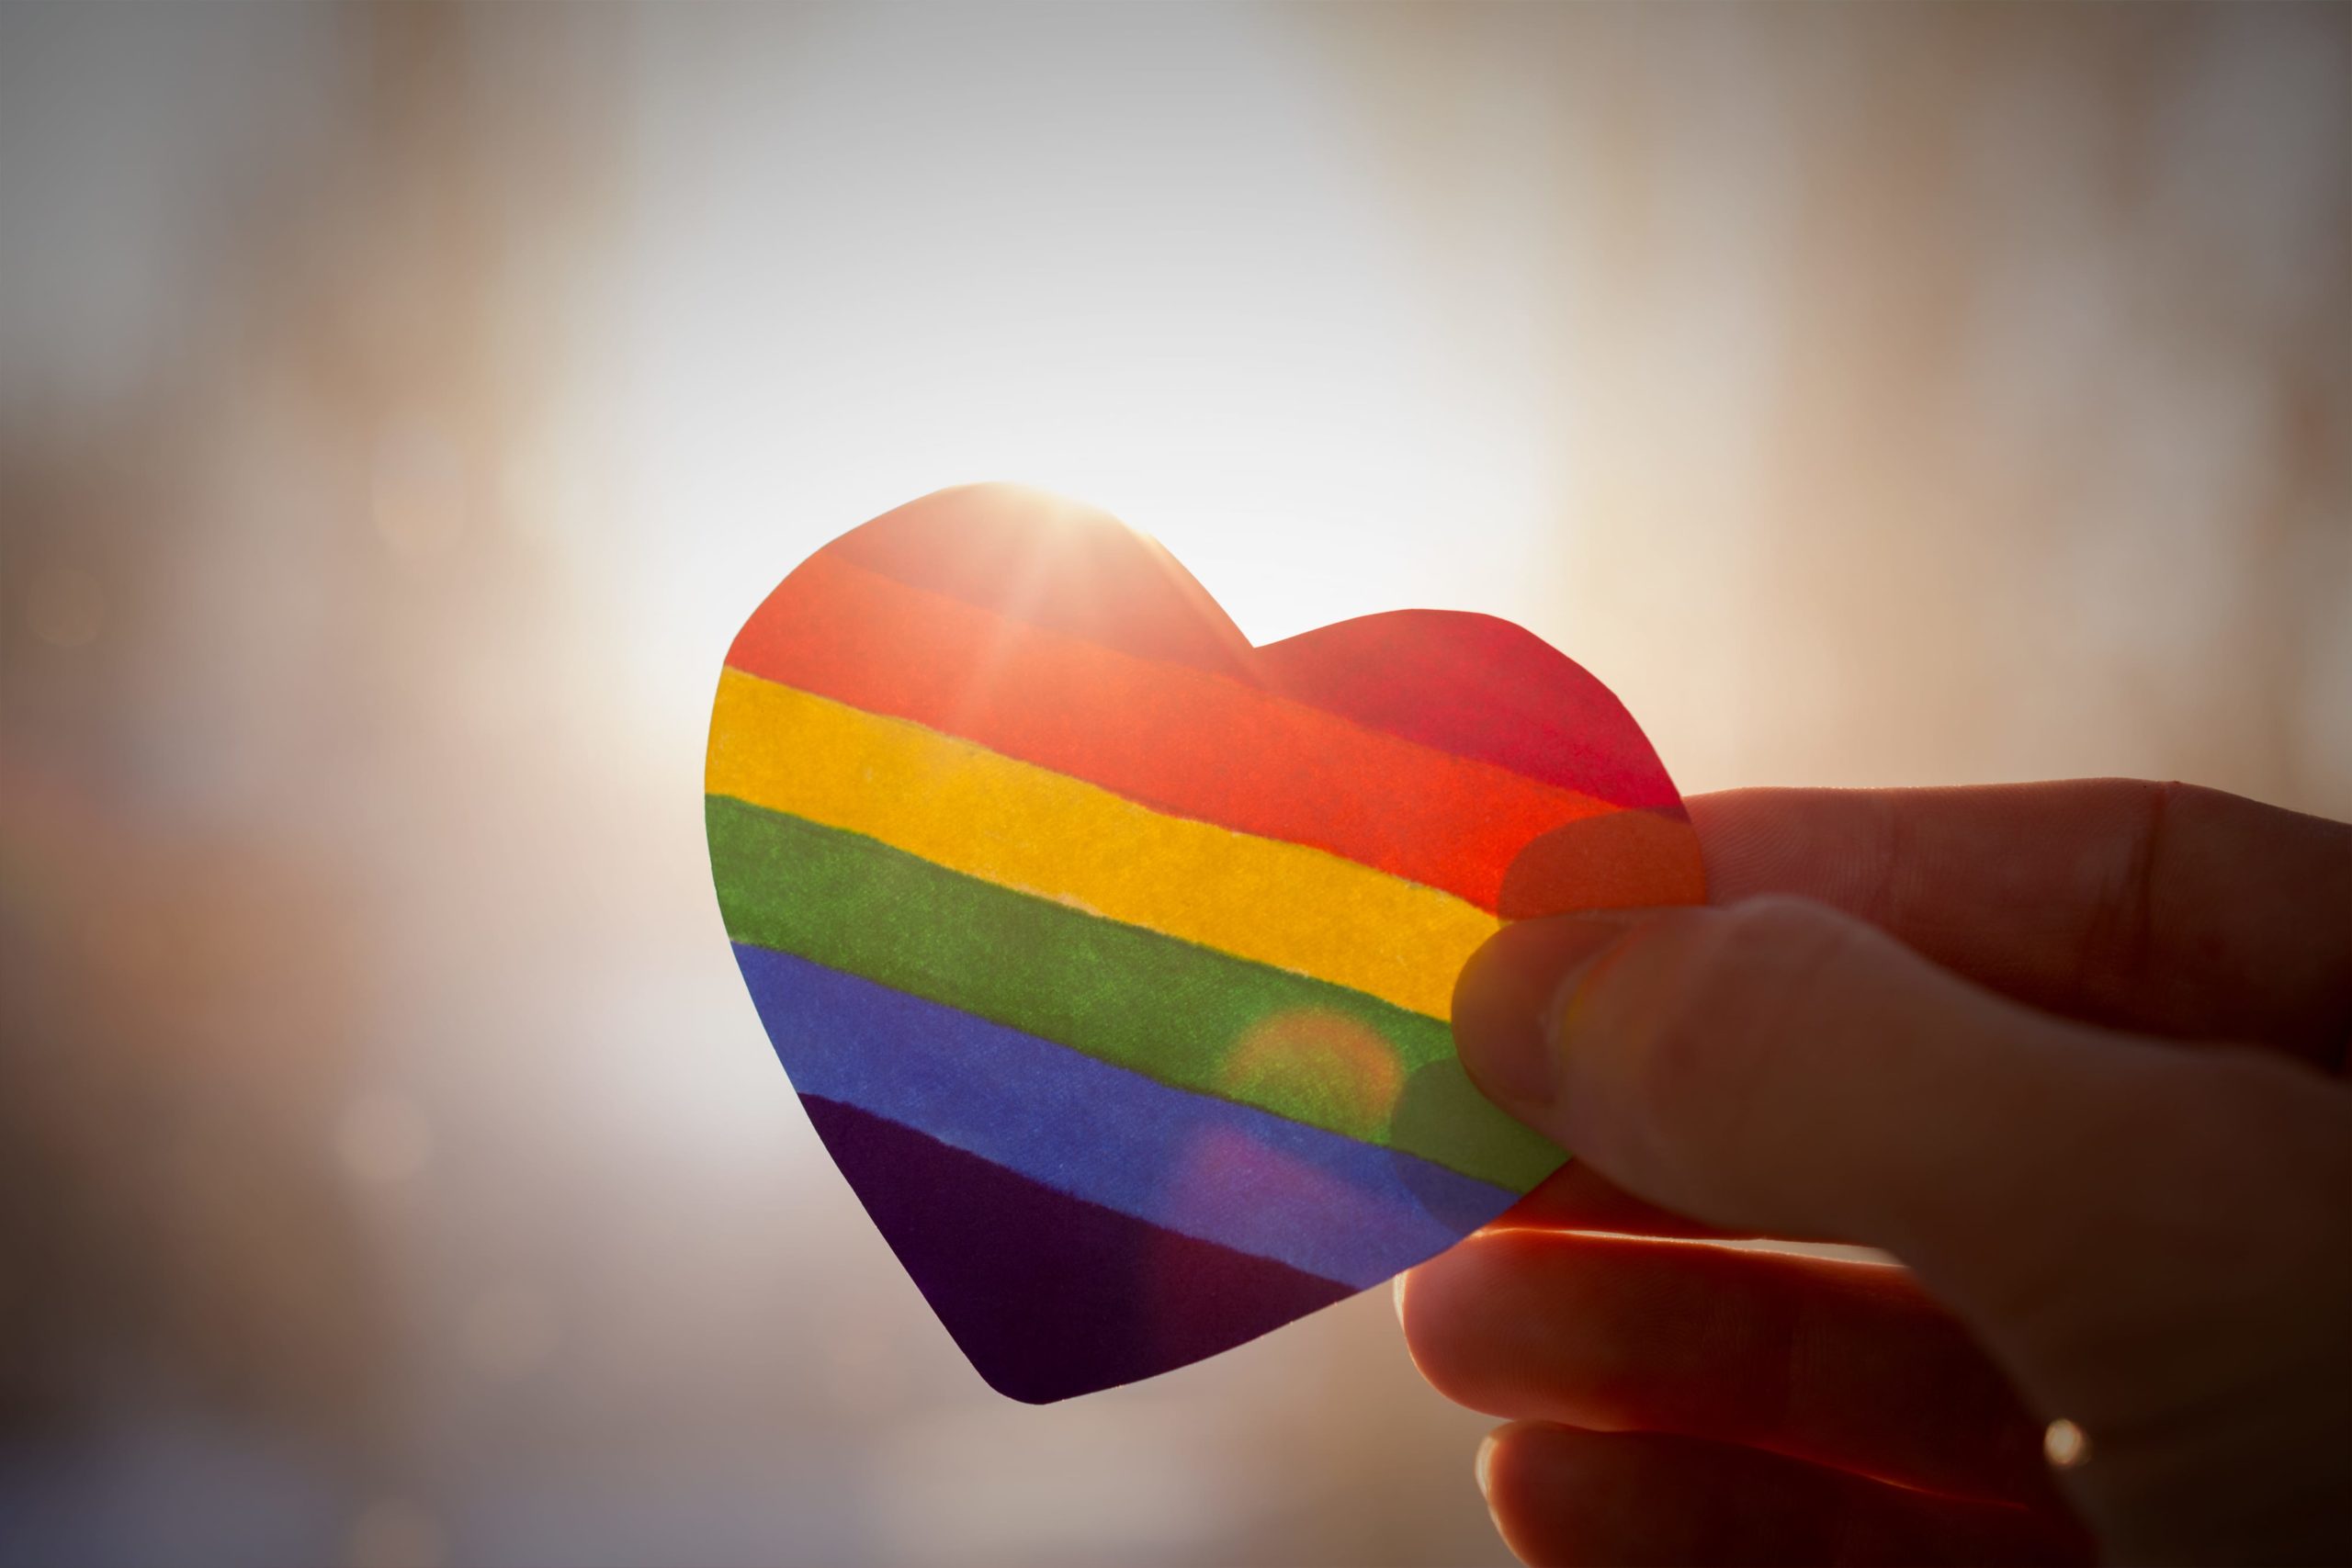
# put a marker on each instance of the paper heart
(1111, 955)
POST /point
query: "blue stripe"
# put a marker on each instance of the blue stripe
(1204, 1168)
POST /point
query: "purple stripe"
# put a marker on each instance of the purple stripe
(1051, 1296)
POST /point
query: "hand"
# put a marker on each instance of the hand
(1955, 1025)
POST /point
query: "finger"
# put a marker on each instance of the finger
(1574, 1197)
(1780, 1067)
(1577, 1198)
(1844, 1364)
(2163, 907)
(1560, 1495)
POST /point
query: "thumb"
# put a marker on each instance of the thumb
(1777, 1068)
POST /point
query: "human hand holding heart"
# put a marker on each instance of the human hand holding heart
(1111, 955)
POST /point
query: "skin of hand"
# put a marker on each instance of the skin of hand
(2074, 1054)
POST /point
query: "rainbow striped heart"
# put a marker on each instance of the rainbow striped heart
(1111, 955)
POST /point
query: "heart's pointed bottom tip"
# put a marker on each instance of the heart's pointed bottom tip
(1050, 1296)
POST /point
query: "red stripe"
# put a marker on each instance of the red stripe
(1478, 687)
(1170, 736)
(1469, 684)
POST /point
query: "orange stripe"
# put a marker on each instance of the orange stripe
(1173, 737)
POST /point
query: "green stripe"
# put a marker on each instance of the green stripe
(1163, 1006)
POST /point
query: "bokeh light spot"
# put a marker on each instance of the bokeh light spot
(418, 492)
(1319, 1058)
(384, 1139)
(65, 608)
(395, 1533)
(2063, 1445)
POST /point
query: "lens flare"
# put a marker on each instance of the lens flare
(1321, 1057)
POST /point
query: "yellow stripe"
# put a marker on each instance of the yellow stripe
(1041, 832)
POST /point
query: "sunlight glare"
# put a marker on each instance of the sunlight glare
(860, 280)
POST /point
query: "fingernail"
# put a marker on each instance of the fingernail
(1508, 996)
(1484, 1466)
(1398, 1295)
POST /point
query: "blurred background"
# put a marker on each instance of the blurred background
(401, 406)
